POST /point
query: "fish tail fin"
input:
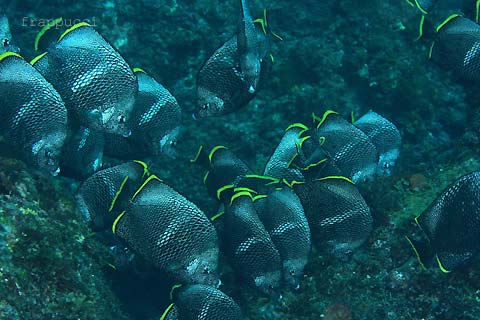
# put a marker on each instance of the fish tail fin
(201, 157)
(48, 29)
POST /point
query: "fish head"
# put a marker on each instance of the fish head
(113, 120)
(6, 43)
(168, 143)
(46, 153)
(203, 268)
(269, 283)
(208, 104)
(293, 272)
(386, 162)
(251, 68)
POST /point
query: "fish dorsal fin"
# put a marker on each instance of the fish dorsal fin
(139, 70)
(335, 178)
(324, 117)
(72, 28)
(44, 30)
(147, 181)
(146, 172)
(40, 56)
(212, 152)
(9, 54)
(447, 20)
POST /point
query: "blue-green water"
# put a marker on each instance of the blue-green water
(348, 56)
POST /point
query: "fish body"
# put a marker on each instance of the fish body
(103, 196)
(451, 225)
(155, 123)
(6, 41)
(221, 88)
(457, 47)
(249, 246)
(385, 137)
(351, 152)
(339, 218)
(166, 229)
(82, 153)
(34, 117)
(96, 83)
(204, 303)
(282, 214)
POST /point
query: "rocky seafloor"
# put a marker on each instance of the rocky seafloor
(345, 55)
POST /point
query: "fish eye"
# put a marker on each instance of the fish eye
(121, 119)
(205, 106)
(173, 143)
(5, 42)
(206, 270)
(292, 272)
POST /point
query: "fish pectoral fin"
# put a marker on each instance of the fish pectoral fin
(423, 252)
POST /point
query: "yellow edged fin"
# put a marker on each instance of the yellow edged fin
(195, 158)
(117, 193)
(420, 7)
(135, 70)
(150, 178)
(111, 266)
(212, 152)
(259, 196)
(42, 32)
(324, 117)
(40, 56)
(420, 28)
(74, 27)
(440, 265)
(165, 313)
(278, 189)
(452, 16)
(292, 183)
(221, 189)
(410, 3)
(174, 287)
(291, 160)
(244, 189)
(416, 253)
(477, 9)
(276, 35)
(9, 54)
(216, 216)
(257, 176)
(352, 117)
(241, 194)
(145, 168)
(272, 58)
(205, 177)
(431, 50)
(297, 125)
(335, 177)
(262, 23)
(311, 165)
(117, 219)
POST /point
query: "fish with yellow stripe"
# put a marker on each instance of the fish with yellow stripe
(97, 85)
(201, 302)
(457, 47)
(155, 123)
(248, 245)
(169, 231)
(451, 226)
(339, 218)
(231, 76)
(350, 151)
(282, 214)
(105, 194)
(33, 114)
